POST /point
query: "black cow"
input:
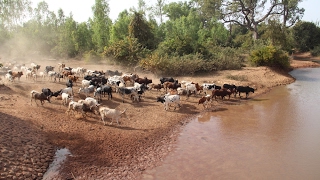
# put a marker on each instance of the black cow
(98, 81)
(167, 79)
(245, 89)
(69, 83)
(58, 76)
(112, 73)
(231, 87)
(129, 92)
(103, 90)
(48, 68)
(47, 92)
(56, 93)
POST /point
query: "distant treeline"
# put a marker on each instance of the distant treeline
(193, 36)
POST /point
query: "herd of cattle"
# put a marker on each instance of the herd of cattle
(99, 84)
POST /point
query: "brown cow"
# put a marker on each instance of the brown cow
(205, 101)
(221, 92)
(171, 85)
(156, 86)
(73, 78)
(66, 73)
(144, 80)
(17, 75)
(129, 77)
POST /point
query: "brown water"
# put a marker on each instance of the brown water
(275, 136)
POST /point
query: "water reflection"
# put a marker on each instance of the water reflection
(275, 136)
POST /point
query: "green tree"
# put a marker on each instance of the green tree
(306, 35)
(140, 29)
(182, 35)
(175, 10)
(13, 12)
(158, 9)
(66, 45)
(120, 29)
(101, 25)
(209, 9)
(291, 13)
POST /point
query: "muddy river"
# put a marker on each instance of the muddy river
(274, 136)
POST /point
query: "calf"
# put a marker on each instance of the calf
(168, 100)
(205, 101)
(192, 88)
(245, 89)
(9, 77)
(39, 96)
(17, 75)
(156, 86)
(65, 97)
(106, 112)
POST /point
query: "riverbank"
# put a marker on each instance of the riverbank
(142, 140)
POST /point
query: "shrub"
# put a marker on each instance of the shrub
(173, 64)
(237, 77)
(92, 56)
(227, 58)
(126, 52)
(269, 56)
(176, 65)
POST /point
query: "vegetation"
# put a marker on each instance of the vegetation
(169, 38)
(269, 56)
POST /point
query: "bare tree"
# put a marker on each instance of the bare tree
(249, 13)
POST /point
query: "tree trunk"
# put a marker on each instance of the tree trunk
(254, 31)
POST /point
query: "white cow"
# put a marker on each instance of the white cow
(68, 90)
(65, 98)
(168, 99)
(87, 90)
(85, 83)
(106, 112)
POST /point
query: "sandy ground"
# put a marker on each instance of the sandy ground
(30, 134)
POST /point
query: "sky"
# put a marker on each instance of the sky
(81, 10)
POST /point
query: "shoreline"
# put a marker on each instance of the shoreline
(186, 121)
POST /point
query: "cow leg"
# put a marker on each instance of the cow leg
(102, 118)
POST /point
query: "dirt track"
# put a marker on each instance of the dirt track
(103, 152)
